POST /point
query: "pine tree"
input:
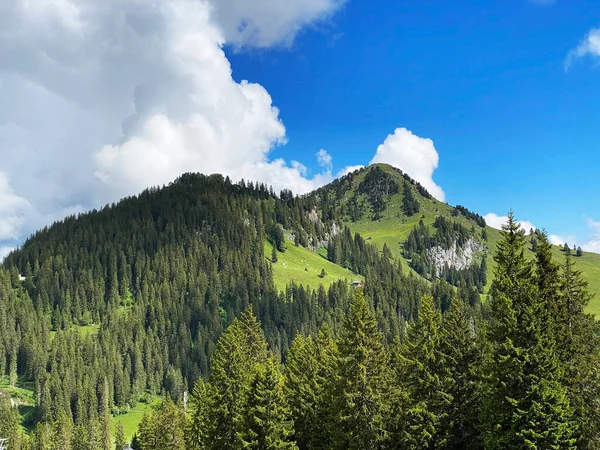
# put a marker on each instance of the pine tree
(241, 348)
(310, 372)
(198, 429)
(364, 378)
(419, 373)
(525, 405)
(9, 421)
(119, 436)
(268, 423)
(105, 415)
(579, 354)
(169, 426)
(461, 365)
(147, 439)
(62, 432)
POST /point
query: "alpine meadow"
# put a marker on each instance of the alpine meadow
(364, 315)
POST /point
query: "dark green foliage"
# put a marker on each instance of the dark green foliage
(578, 347)
(311, 376)
(420, 372)
(410, 205)
(378, 185)
(461, 365)
(362, 387)
(479, 220)
(526, 405)
(268, 423)
(9, 422)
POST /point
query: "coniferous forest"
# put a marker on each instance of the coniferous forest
(171, 292)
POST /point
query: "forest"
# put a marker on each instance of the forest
(170, 292)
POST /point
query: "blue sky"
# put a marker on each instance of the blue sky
(493, 105)
(485, 80)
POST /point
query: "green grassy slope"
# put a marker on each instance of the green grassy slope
(131, 419)
(394, 227)
(303, 266)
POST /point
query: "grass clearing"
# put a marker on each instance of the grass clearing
(133, 417)
(303, 266)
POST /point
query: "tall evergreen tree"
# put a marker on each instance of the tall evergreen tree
(364, 379)
(419, 369)
(579, 354)
(268, 425)
(461, 364)
(310, 371)
(240, 350)
(119, 436)
(526, 405)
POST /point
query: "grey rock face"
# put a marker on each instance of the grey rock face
(454, 257)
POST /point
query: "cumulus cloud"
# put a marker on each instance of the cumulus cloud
(414, 155)
(346, 170)
(4, 251)
(593, 242)
(325, 159)
(104, 98)
(496, 221)
(588, 47)
(263, 23)
(12, 210)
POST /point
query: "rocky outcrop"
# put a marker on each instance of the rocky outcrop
(454, 257)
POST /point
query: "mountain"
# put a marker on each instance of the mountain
(104, 312)
(373, 203)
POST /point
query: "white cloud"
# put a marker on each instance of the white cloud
(104, 98)
(263, 23)
(589, 46)
(496, 221)
(414, 155)
(325, 159)
(12, 210)
(4, 251)
(593, 242)
(346, 170)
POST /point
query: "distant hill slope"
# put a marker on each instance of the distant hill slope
(382, 219)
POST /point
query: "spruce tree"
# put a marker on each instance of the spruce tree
(119, 436)
(579, 354)
(310, 372)
(9, 421)
(461, 367)
(240, 350)
(420, 373)
(105, 417)
(268, 423)
(525, 404)
(197, 435)
(363, 380)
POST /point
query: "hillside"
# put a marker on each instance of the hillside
(392, 225)
(108, 311)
